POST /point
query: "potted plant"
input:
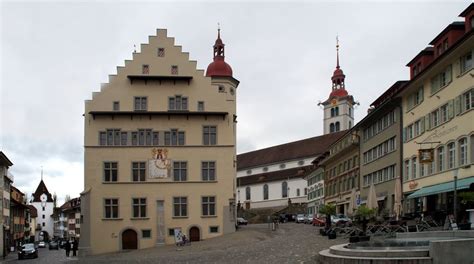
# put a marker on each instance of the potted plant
(327, 210)
(363, 214)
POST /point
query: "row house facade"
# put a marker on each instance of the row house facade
(160, 151)
(19, 211)
(438, 104)
(70, 214)
(60, 223)
(6, 179)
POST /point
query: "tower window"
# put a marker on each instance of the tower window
(331, 128)
(200, 106)
(336, 111)
(338, 126)
(221, 89)
(116, 106)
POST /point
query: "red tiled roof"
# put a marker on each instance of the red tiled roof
(33, 211)
(289, 151)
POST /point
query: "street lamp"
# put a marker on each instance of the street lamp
(455, 174)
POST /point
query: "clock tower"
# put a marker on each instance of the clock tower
(42, 200)
(339, 107)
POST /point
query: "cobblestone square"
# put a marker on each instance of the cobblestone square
(290, 243)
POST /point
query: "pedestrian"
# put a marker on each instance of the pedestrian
(68, 248)
(74, 247)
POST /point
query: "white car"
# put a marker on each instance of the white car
(309, 219)
(42, 244)
(300, 218)
(241, 221)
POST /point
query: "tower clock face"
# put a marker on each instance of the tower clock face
(43, 199)
(334, 101)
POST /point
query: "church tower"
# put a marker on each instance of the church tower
(44, 204)
(339, 107)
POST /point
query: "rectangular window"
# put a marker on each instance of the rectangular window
(170, 231)
(451, 155)
(444, 113)
(140, 103)
(134, 138)
(138, 171)
(102, 138)
(180, 206)
(200, 106)
(213, 229)
(174, 137)
(161, 52)
(181, 138)
(208, 170)
(145, 69)
(178, 103)
(116, 106)
(180, 170)
(440, 159)
(435, 121)
(413, 171)
(462, 151)
(467, 100)
(406, 171)
(111, 207)
(466, 62)
(174, 69)
(146, 233)
(123, 138)
(139, 207)
(441, 80)
(110, 171)
(208, 205)
(156, 138)
(209, 135)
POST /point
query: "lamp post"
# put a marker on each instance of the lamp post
(455, 173)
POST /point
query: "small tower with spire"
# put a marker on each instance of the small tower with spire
(339, 106)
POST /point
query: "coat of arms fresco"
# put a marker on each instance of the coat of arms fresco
(160, 166)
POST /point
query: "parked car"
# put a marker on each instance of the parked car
(42, 244)
(340, 219)
(28, 251)
(283, 218)
(309, 219)
(300, 218)
(319, 221)
(62, 243)
(53, 245)
(242, 221)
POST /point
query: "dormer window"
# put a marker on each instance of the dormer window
(145, 69)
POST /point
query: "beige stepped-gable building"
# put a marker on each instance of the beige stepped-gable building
(159, 151)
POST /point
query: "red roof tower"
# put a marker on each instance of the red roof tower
(219, 68)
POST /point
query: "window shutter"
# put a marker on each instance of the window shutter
(404, 134)
(434, 84)
(427, 122)
(457, 105)
(422, 125)
(451, 109)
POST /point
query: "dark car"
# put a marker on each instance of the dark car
(53, 245)
(28, 251)
(62, 243)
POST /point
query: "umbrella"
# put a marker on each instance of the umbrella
(351, 208)
(398, 198)
(372, 198)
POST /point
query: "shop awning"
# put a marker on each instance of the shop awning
(442, 188)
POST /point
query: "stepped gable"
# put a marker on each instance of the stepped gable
(289, 151)
(39, 191)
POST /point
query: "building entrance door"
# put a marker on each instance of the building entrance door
(129, 239)
(194, 234)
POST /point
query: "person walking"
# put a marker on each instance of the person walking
(74, 247)
(68, 248)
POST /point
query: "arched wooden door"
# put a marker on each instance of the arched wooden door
(129, 239)
(194, 234)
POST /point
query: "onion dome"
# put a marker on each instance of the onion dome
(338, 86)
(219, 67)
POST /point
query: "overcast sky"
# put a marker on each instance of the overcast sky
(54, 55)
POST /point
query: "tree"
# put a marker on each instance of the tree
(363, 213)
(55, 200)
(328, 210)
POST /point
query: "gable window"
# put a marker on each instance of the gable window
(116, 106)
(265, 192)
(200, 106)
(111, 208)
(208, 170)
(110, 171)
(208, 205)
(178, 103)
(180, 206)
(145, 69)
(138, 171)
(247, 193)
(161, 52)
(174, 69)
(284, 189)
(209, 135)
(139, 207)
(180, 170)
(140, 103)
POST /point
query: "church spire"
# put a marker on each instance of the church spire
(219, 67)
(337, 51)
